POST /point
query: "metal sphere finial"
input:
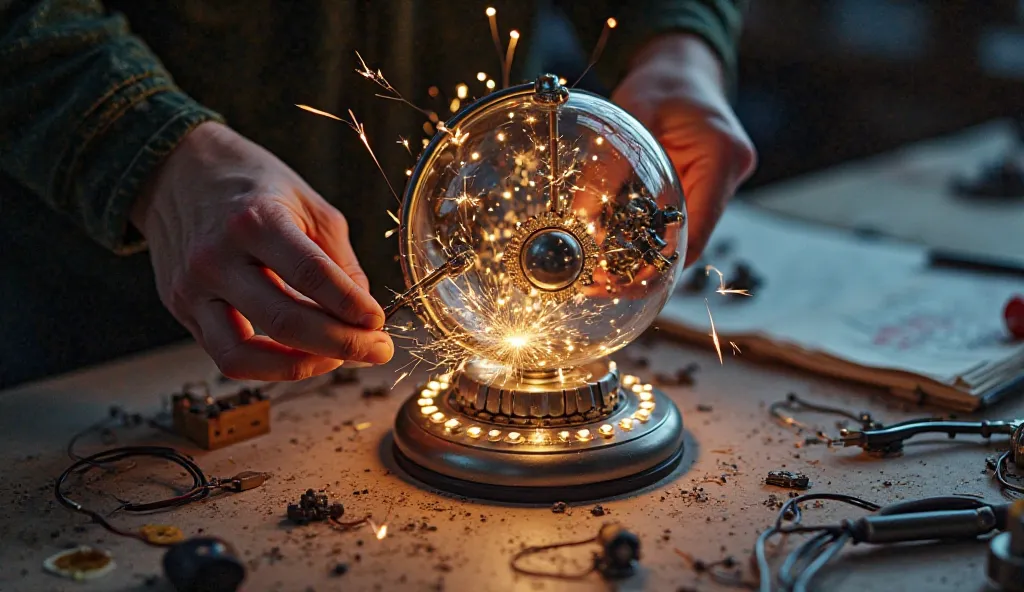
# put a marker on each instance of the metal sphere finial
(549, 90)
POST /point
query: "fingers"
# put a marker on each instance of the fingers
(303, 265)
(712, 162)
(239, 353)
(302, 325)
(333, 238)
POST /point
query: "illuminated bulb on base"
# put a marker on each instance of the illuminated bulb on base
(564, 436)
(434, 385)
(642, 415)
(474, 432)
(648, 388)
(648, 405)
(494, 435)
(584, 435)
(645, 396)
(626, 423)
(629, 380)
(428, 393)
(425, 402)
(451, 424)
(514, 438)
(606, 430)
(428, 410)
(437, 417)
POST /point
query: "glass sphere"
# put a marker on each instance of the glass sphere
(575, 219)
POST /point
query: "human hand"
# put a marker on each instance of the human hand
(238, 240)
(676, 89)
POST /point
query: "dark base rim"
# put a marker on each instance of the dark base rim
(539, 495)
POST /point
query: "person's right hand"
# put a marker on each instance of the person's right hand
(238, 240)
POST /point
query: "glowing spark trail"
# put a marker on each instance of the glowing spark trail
(506, 71)
(599, 48)
(405, 143)
(378, 77)
(492, 19)
(360, 129)
(714, 334)
(721, 283)
(319, 112)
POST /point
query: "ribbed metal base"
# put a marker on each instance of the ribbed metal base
(636, 445)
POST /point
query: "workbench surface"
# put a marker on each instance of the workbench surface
(440, 541)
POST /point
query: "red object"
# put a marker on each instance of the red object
(1014, 315)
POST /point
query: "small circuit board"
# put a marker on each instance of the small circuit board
(218, 422)
(788, 479)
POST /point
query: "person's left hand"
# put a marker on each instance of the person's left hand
(676, 88)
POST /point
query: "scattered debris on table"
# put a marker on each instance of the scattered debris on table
(683, 376)
(788, 479)
(376, 392)
(314, 506)
(559, 507)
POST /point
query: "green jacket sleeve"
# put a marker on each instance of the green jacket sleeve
(86, 112)
(717, 22)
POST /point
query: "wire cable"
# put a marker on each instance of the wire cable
(548, 574)
(200, 489)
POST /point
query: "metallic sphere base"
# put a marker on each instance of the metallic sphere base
(636, 444)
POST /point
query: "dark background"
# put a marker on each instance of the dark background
(828, 81)
(821, 82)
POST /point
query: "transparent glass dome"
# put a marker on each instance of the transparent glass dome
(574, 255)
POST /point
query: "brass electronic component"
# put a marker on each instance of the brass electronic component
(218, 422)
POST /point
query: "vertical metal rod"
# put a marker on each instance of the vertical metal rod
(556, 199)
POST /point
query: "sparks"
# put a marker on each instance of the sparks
(506, 71)
(722, 289)
(714, 334)
(492, 20)
(609, 24)
(361, 130)
(405, 144)
(377, 77)
(316, 111)
(400, 379)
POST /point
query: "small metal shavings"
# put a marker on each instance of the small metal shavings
(559, 508)
(378, 392)
(81, 563)
(598, 510)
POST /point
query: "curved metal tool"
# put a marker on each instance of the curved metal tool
(456, 265)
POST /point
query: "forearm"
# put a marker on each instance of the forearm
(87, 112)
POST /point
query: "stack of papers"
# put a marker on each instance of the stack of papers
(864, 309)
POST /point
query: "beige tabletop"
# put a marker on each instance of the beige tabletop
(438, 541)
